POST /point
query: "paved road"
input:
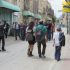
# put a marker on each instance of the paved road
(15, 58)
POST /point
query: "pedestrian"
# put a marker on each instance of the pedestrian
(52, 29)
(59, 41)
(23, 27)
(49, 31)
(6, 28)
(2, 39)
(40, 37)
(30, 38)
(17, 30)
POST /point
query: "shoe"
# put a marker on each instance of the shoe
(40, 56)
(58, 59)
(43, 56)
(3, 50)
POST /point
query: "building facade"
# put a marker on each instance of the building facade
(35, 6)
(45, 9)
(8, 8)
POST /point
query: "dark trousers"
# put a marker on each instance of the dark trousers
(6, 33)
(43, 42)
(3, 42)
(49, 35)
(57, 52)
(17, 33)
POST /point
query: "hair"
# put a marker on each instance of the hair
(59, 29)
(41, 22)
(31, 25)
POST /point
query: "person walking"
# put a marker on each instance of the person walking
(6, 28)
(30, 38)
(52, 29)
(2, 39)
(49, 30)
(59, 41)
(17, 30)
(40, 37)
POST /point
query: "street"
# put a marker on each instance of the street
(15, 58)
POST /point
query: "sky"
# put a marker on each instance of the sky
(56, 5)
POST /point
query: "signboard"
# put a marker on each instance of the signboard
(66, 6)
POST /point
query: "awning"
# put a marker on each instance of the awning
(28, 14)
(10, 6)
(38, 16)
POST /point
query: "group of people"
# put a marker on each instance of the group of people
(38, 33)
(19, 30)
(35, 32)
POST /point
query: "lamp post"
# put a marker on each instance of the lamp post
(67, 22)
(67, 18)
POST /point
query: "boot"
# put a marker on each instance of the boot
(31, 53)
(28, 52)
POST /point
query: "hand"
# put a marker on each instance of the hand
(46, 40)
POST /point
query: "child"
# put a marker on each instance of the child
(57, 44)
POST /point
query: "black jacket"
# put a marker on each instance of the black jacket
(1, 30)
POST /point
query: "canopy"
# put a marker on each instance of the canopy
(10, 6)
(28, 14)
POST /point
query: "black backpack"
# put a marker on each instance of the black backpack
(62, 39)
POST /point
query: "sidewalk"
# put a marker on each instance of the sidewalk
(15, 58)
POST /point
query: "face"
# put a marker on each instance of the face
(36, 20)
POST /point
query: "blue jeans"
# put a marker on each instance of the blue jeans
(17, 33)
(57, 52)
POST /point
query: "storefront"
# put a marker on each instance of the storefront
(7, 10)
(6, 15)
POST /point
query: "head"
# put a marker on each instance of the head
(59, 29)
(31, 25)
(36, 21)
(41, 22)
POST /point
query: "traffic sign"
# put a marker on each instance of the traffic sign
(66, 6)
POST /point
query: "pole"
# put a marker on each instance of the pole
(67, 23)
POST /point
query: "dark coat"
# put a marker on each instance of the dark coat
(1, 30)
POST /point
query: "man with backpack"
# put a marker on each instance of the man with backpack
(59, 41)
(40, 37)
